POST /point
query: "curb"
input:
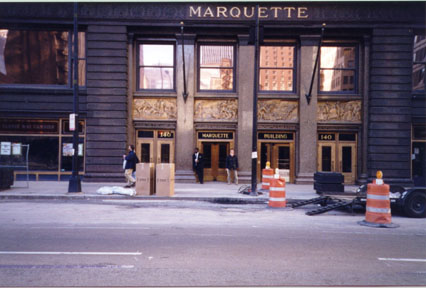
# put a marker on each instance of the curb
(80, 197)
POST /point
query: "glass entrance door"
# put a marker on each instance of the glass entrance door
(279, 156)
(155, 146)
(215, 160)
(326, 157)
(347, 162)
(165, 152)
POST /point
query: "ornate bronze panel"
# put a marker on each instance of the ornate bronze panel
(154, 109)
(346, 111)
(277, 110)
(207, 110)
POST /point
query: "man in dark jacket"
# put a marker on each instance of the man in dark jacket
(232, 165)
(198, 165)
(131, 161)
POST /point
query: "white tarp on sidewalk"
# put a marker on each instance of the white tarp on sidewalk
(108, 190)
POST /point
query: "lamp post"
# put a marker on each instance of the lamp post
(75, 181)
(255, 88)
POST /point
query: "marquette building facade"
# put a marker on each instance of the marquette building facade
(169, 77)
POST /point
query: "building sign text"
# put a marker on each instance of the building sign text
(275, 12)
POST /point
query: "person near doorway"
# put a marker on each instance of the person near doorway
(198, 165)
(130, 166)
(232, 165)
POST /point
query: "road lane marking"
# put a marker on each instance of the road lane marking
(402, 259)
(69, 253)
(65, 266)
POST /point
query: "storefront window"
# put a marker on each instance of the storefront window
(156, 66)
(419, 63)
(34, 57)
(338, 72)
(276, 64)
(216, 67)
(50, 145)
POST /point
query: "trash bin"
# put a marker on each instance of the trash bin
(145, 179)
(165, 179)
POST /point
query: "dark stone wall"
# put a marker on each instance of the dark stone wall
(106, 102)
(389, 135)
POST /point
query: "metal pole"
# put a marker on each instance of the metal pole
(184, 93)
(75, 182)
(254, 155)
(309, 95)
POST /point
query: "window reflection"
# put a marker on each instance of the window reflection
(337, 69)
(419, 63)
(216, 67)
(276, 68)
(34, 57)
(156, 66)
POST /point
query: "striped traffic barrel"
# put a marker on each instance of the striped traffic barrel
(277, 193)
(378, 204)
(267, 175)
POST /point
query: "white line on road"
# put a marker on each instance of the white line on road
(402, 259)
(69, 253)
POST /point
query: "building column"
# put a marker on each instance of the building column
(307, 162)
(185, 131)
(362, 179)
(245, 108)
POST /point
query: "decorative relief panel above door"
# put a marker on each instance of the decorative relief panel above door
(207, 110)
(346, 111)
(154, 109)
(277, 110)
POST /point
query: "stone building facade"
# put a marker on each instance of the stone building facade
(364, 114)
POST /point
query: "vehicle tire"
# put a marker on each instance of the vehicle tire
(414, 205)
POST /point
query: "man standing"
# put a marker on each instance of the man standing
(131, 160)
(232, 165)
(198, 165)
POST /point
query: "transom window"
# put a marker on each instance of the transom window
(216, 67)
(338, 69)
(277, 61)
(156, 67)
(35, 57)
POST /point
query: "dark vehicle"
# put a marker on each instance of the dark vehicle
(411, 201)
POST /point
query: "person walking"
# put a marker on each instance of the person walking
(131, 161)
(198, 165)
(232, 165)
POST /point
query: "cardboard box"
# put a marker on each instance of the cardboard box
(165, 179)
(285, 174)
(145, 179)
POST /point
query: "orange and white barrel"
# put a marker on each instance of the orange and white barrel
(277, 198)
(267, 176)
(378, 204)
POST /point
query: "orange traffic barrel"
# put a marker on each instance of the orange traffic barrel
(277, 193)
(378, 211)
(267, 176)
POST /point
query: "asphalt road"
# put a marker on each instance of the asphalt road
(182, 243)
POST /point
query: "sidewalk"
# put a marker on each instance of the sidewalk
(209, 191)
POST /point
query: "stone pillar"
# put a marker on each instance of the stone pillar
(362, 179)
(185, 131)
(307, 162)
(245, 107)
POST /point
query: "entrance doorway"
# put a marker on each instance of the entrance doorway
(155, 146)
(280, 154)
(215, 160)
(418, 156)
(337, 153)
(215, 147)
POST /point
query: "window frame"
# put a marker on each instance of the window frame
(66, 86)
(234, 67)
(138, 66)
(294, 68)
(356, 68)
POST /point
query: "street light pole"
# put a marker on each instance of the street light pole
(75, 182)
(255, 155)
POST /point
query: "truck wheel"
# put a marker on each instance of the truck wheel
(414, 205)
